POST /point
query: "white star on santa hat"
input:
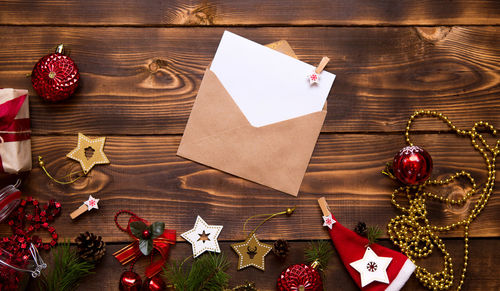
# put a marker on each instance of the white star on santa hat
(92, 203)
(372, 267)
(329, 221)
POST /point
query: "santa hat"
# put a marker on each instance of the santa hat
(372, 266)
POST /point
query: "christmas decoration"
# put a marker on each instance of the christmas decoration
(306, 277)
(15, 133)
(10, 197)
(203, 237)
(154, 284)
(207, 272)
(90, 247)
(147, 237)
(314, 76)
(30, 216)
(415, 234)
(368, 264)
(248, 286)
(66, 270)
(130, 281)
(80, 155)
(14, 268)
(372, 268)
(252, 252)
(281, 248)
(412, 165)
(88, 205)
(55, 76)
(300, 277)
(25, 221)
(88, 152)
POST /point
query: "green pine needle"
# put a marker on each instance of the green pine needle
(319, 250)
(373, 233)
(208, 272)
(66, 270)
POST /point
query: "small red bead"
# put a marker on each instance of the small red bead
(146, 234)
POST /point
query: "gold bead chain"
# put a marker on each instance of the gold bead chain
(412, 231)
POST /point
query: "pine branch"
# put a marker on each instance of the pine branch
(320, 251)
(66, 270)
(207, 272)
(373, 233)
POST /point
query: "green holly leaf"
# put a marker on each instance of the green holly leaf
(137, 227)
(146, 246)
(157, 229)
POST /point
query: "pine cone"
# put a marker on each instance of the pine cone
(361, 229)
(281, 248)
(91, 248)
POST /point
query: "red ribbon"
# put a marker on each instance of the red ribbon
(132, 252)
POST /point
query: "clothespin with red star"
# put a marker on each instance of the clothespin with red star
(88, 205)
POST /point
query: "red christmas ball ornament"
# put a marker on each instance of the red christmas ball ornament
(412, 165)
(55, 76)
(130, 281)
(300, 277)
(154, 284)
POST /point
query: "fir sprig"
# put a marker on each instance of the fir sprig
(207, 272)
(66, 270)
(321, 251)
(373, 233)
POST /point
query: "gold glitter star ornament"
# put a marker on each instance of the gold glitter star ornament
(89, 161)
(251, 253)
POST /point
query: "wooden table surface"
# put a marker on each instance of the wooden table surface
(141, 64)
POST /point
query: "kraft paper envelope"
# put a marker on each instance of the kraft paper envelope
(220, 136)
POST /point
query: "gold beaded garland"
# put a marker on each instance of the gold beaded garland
(412, 231)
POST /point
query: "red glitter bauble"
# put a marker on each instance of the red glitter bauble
(300, 277)
(55, 77)
(412, 165)
(154, 284)
(130, 281)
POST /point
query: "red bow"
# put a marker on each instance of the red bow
(132, 252)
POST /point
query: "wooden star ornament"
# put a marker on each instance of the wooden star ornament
(203, 237)
(97, 157)
(251, 253)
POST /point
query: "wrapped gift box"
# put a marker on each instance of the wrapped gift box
(15, 133)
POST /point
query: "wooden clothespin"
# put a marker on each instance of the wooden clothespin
(327, 215)
(314, 76)
(88, 205)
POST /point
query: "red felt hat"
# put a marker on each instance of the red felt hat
(372, 266)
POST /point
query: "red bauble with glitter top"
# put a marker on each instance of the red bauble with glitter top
(300, 277)
(412, 165)
(55, 77)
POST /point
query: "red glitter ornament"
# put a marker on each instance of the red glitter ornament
(55, 76)
(300, 277)
(130, 281)
(154, 284)
(412, 165)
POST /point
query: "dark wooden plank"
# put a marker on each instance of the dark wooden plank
(148, 78)
(481, 275)
(261, 12)
(146, 177)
